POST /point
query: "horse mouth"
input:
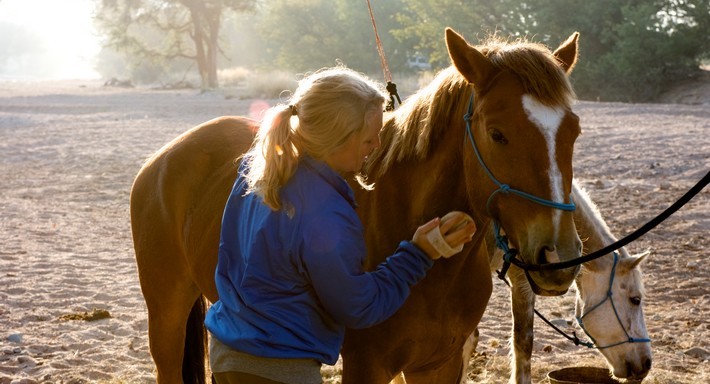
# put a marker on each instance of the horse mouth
(634, 379)
(543, 292)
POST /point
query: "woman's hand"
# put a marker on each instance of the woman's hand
(446, 236)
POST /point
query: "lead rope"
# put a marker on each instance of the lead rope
(391, 87)
(633, 236)
(576, 340)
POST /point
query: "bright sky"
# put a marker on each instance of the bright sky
(69, 38)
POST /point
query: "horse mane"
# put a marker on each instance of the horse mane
(535, 65)
(414, 129)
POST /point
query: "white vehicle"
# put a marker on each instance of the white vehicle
(418, 62)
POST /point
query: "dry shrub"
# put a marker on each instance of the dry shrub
(231, 77)
(269, 85)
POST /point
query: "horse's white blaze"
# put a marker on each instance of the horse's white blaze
(548, 120)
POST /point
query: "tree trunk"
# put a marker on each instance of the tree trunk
(206, 23)
(200, 57)
(213, 49)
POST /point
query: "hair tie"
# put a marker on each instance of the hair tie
(294, 112)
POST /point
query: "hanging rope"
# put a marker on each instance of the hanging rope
(391, 87)
(383, 60)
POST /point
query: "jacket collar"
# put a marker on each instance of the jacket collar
(331, 177)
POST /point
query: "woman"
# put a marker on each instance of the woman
(289, 272)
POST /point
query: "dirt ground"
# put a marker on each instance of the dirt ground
(71, 310)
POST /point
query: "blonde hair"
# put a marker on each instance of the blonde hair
(327, 108)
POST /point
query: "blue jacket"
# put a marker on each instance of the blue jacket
(291, 281)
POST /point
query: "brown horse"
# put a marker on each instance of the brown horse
(522, 129)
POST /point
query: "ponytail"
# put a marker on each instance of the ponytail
(273, 159)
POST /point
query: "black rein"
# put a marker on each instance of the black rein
(622, 242)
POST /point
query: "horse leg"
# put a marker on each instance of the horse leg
(453, 370)
(169, 294)
(450, 372)
(368, 367)
(523, 305)
(167, 321)
(469, 348)
(399, 379)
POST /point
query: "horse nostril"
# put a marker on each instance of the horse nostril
(638, 372)
(630, 372)
(548, 255)
(647, 365)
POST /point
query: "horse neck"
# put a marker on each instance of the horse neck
(420, 188)
(413, 190)
(592, 228)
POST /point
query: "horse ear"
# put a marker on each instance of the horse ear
(567, 53)
(635, 261)
(468, 60)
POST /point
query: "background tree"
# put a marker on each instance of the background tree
(162, 31)
(423, 23)
(631, 50)
(306, 35)
(692, 23)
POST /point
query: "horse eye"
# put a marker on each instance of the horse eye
(635, 300)
(498, 137)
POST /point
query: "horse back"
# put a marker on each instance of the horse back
(178, 197)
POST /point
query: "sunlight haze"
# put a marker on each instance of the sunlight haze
(49, 39)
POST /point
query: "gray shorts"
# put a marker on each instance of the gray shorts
(225, 359)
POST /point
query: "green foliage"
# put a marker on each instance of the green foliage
(644, 59)
(423, 23)
(309, 34)
(631, 50)
(695, 24)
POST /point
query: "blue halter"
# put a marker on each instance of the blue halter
(502, 241)
(580, 319)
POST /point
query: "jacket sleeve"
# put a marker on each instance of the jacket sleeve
(333, 253)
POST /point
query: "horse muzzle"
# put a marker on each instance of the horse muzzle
(551, 282)
(561, 286)
(634, 372)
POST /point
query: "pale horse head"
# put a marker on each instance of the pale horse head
(609, 308)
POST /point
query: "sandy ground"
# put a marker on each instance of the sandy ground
(69, 153)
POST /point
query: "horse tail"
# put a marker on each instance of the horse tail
(193, 361)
